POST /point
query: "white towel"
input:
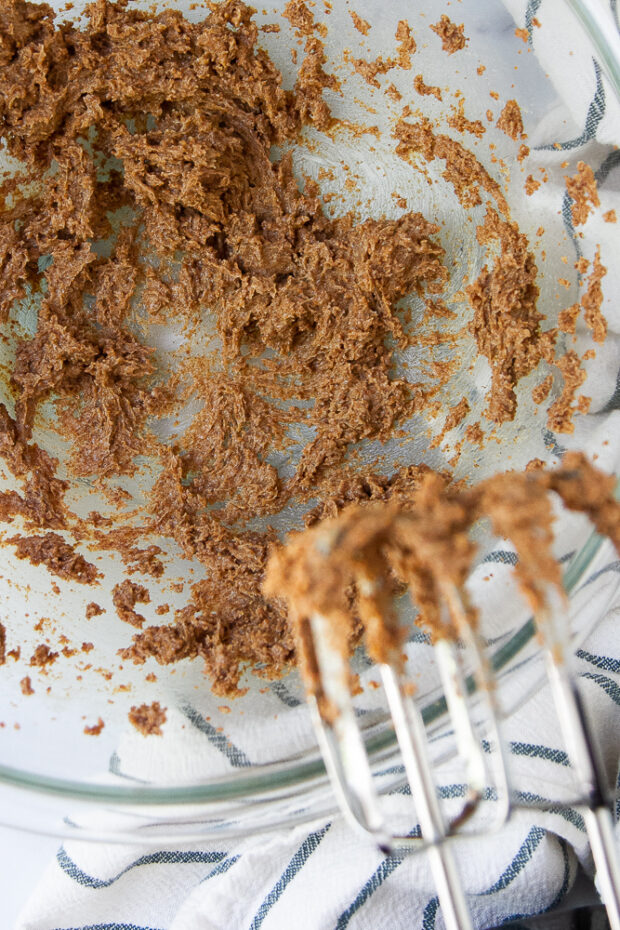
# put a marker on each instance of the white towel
(322, 876)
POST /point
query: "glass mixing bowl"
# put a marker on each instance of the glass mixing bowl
(234, 767)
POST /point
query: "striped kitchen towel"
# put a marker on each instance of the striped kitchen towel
(322, 876)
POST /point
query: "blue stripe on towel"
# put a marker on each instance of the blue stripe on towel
(219, 740)
(609, 686)
(389, 865)
(384, 870)
(108, 927)
(561, 894)
(614, 401)
(449, 792)
(114, 766)
(596, 112)
(430, 913)
(611, 567)
(502, 556)
(417, 636)
(164, 857)
(607, 166)
(531, 10)
(563, 890)
(551, 443)
(281, 691)
(446, 792)
(526, 798)
(521, 859)
(552, 807)
(569, 226)
(534, 751)
(293, 868)
(606, 663)
(220, 868)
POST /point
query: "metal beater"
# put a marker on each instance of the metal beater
(327, 675)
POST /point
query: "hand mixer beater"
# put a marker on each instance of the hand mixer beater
(341, 577)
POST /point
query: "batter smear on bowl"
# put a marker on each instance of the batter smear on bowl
(157, 187)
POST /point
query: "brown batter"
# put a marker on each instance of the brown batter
(125, 596)
(457, 120)
(93, 610)
(148, 719)
(583, 190)
(58, 556)
(95, 729)
(453, 37)
(360, 24)
(560, 415)
(507, 323)
(318, 295)
(170, 127)
(510, 120)
(369, 70)
(425, 90)
(42, 656)
(531, 185)
(540, 393)
(592, 300)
